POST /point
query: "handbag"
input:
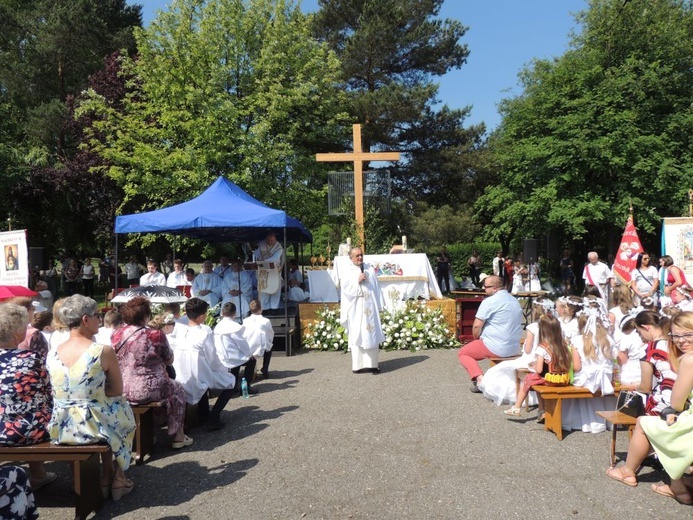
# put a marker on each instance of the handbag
(630, 403)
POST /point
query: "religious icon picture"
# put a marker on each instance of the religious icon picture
(11, 260)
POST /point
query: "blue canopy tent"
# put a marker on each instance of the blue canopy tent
(221, 213)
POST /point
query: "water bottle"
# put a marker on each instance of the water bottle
(244, 388)
(616, 377)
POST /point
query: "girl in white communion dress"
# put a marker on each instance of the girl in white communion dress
(498, 383)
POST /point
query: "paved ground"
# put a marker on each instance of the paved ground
(413, 442)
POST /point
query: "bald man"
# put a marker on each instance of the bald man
(497, 330)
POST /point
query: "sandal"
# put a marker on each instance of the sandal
(177, 445)
(38, 484)
(665, 491)
(541, 418)
(120, 488)
(513, 411)
(618, 474)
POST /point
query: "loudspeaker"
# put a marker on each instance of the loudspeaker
(530, 248)
(37, 257)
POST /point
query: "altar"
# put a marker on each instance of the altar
(401, 277)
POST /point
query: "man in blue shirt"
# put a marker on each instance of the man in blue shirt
(497, 330)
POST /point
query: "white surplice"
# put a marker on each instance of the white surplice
(259, 334)
(360, 308)
(197, 365)
(230, 343)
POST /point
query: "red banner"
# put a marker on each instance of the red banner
(627, 254)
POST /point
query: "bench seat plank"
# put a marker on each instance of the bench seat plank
(553, 403)
(86, 468)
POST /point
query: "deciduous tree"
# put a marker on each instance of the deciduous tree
(606, 124)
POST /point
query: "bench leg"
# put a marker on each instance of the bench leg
(86, 475)
(614, 428)
(144, 435)
(552, 419)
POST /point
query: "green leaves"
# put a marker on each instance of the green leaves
(598, 127)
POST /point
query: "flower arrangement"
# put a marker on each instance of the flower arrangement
(327, 333)
(413, 327)
(416, 327)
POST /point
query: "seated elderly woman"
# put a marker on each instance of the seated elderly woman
(143, 354)
(26, 414)
(88, 402)
(33, 339)
(670, 435)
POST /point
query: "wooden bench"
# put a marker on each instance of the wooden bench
(553, 398)
(493, 361)
(618, 419)
(86, 469)
(144, 433)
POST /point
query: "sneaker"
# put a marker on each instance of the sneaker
(474, 389)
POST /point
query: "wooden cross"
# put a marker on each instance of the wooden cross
(358, 156)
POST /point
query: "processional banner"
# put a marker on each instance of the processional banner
(677, 242)
(14, 266)
(628, 251)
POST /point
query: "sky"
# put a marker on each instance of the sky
(503, 37)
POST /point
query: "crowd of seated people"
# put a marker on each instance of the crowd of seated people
(80, 378)
(645, 347)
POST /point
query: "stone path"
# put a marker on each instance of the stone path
(319, 442)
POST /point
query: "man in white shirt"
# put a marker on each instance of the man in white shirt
(597, 273)
(153, 276)
(132, 271)
(207, 285)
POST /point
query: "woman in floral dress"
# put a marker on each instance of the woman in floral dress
(143, 354)
(88, 405)
(25, 393)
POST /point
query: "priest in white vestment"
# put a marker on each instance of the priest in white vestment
(360, 307)
(237, 287)
(269, 283)
(207, 285)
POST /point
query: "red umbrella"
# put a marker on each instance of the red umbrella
(10, 291)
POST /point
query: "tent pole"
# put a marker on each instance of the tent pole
(286, 295)
(240, 298)
(115, 288)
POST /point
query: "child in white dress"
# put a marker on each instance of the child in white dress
(593, 365)
(631, 349)
(499, 381)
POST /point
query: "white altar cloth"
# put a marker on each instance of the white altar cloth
(401, 278)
